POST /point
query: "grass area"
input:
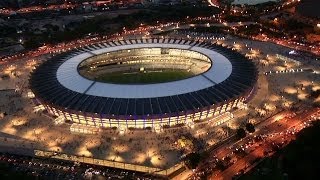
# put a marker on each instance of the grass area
(144, 78)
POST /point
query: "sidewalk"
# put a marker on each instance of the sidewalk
(183, 175)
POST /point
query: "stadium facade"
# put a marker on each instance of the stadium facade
(223, 80)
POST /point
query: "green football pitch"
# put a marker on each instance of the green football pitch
(144, 77)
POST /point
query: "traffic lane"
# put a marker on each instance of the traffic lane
(228, 149)
(243, 163)
(269, 127)
(209, 164)
(279, 139)
(266, 149)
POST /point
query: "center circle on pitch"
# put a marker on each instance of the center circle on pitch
(144, 65)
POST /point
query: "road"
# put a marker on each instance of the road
(223, 151)
(46, 49)
(280, 131)
(49, 49)
(287, 43)
(65, 6)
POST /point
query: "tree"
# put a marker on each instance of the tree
(31, 43)
(315, 94)
(192, 160)
(250, 128)
(55, 28)
(220, 165)
(316, 104)
(241, 133)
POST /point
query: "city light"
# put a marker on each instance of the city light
(140, 89)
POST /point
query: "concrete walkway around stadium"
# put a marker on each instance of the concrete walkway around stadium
(262, 92)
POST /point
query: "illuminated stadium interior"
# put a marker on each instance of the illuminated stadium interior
(69, 88)
(144, 65)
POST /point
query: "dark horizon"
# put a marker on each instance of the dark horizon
(309, 8)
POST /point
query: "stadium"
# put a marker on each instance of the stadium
(143, 83)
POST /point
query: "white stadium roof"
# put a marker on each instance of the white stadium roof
(69, 77)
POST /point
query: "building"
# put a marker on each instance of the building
(227, 79)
